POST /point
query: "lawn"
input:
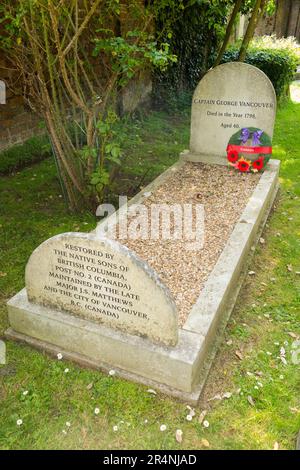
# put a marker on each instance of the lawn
(262, 410)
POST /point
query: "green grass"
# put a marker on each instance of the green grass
(267, 311)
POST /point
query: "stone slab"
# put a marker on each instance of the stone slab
(179, 371)
(102, 280)
(171, 366)
(228, 98)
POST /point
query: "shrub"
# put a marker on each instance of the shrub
(277, 58)
(19, 156)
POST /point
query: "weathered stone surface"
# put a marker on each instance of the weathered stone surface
(101, 280)
(230, 97)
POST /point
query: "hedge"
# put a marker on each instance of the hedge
(278, 64)
(18, 156)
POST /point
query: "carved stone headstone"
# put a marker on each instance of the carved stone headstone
(101, 280)
(228, 98)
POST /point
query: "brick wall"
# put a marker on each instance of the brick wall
(17, 122)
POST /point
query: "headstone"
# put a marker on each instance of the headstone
(2, 92)
(230, 97)
(103, 281)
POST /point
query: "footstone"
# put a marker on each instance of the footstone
(101, 280)
(230, 97)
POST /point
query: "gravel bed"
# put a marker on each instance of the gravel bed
(224, 194)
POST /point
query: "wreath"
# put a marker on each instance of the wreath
(247, 143)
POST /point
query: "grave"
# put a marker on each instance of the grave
(151, 309)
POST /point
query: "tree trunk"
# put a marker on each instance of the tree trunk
(256, 14)
(282, 17)
(234, 14)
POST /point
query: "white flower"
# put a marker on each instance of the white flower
(163, 427)
(19, 422)
(189, 418)
(25, 393)
(59, 356)
(146, 421)
(66, 370)
(68, 424)
(96, 411)
(206, 424)
(112, 372)
(115, 428)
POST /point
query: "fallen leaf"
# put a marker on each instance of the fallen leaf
(250, 400)
(294, 410)
(262, 241)
(251, 273)
(216, 397)
(229, 342)
(239, 355)
(227, 395)
(178, 435)
(153, 392)
(90, 386)
(202, 416)
(289, 268)
(293, 335)
(2, 274)
(205, 442)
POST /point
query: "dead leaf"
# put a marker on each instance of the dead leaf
(250, 400)
(229, 342)
(202, 416)
(178, 435)
(227, 395)
(205, 442)
(290, 268)
(2, 274)
(283, 360)
(251, 273)
(153, 392)
(293, 335)
(239, 355)
(90, 386)
(216, 397)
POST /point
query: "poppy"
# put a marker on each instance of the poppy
(232, 156)
(243, 165)
(258, 164)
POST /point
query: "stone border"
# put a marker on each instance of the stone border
(180, 371)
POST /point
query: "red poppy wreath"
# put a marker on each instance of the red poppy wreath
(249, 150)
